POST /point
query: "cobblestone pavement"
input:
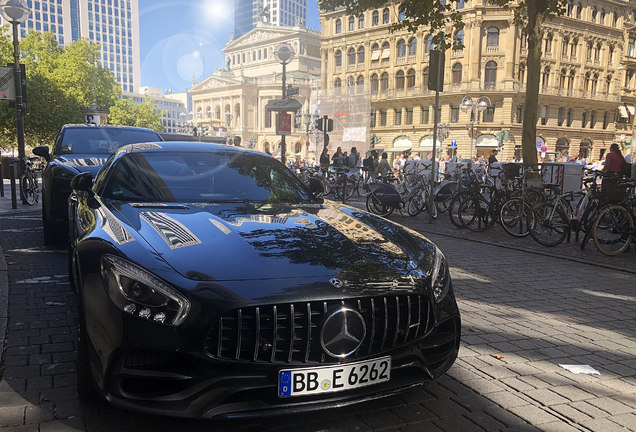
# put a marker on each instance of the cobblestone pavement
(524, 313)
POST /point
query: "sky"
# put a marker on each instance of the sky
(182, 37)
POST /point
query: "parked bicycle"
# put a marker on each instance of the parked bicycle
(29, 189)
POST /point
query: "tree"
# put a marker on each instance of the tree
(443, 16)
(128, 113)
(60, 82)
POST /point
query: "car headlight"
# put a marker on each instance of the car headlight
(440, 276)
(139, 293)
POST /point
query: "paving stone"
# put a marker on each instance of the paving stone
(572, 393)
(533, 414)
(11, 416)
(413, 413)
(602, 425)
(67, 425)
(546, 397)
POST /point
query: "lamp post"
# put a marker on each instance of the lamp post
(284, 53)
(467, 105)
(16, 12)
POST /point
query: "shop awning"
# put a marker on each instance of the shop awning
(403, 142)
(622, 111)
(487, 141)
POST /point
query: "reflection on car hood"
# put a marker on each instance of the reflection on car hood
(251, 241)
(83, 162)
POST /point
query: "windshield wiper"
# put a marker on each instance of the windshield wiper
(158, 205)
(229, 201)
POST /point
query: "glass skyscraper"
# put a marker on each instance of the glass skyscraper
(113, 24)
(276, 12)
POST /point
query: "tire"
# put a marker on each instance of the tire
(417, 203)
(376, 207)
(550, 227)
(515, 215)
(53, 235)
(85, 386)
(613, 230)
(350, 187)
(28, 189)
(453, 209)
(475, 214)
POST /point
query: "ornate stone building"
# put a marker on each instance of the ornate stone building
(587, 77)
(232, 101)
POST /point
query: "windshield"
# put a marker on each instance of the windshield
(100, 140)
(202, 177)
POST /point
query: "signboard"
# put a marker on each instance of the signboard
(283, 124)
(7, 85)
(544, 149)
(453, 143)
(539, 144)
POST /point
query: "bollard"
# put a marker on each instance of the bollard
(14, 173)
(1, 180)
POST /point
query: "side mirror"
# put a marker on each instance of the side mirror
(42, 151)
(82, 182)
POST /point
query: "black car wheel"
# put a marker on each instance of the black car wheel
(85, 386)
(53, 234)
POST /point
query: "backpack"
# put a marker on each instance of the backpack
(626, 169)
(368, 162)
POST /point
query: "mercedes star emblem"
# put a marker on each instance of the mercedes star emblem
(336, 283)
(342, 332)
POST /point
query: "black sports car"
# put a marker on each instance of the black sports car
(213, 283)
(78, 149)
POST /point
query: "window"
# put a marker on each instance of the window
(524, 40)
(375, 18)
(424, 118)
(384, 82)
(575, 43)
(375, 52)
(373, 114)
(605, 116)
(571, 83)
(597, 52)
(401, 48)
(570, 8)
(568, 120)
(610, 55)
(413, 46)
(399, 80)
(410, 79)
(425, 78)
(584, 119)
(548, 45)
(519, 116)
(586, 82)
(268, 118)
(352, 23)
(351, 82)
(397, 120)
(337, 83)
(561, 116)
(489, 115)
(386, 17)
(338, 58)
(460, 4)
(589, 52)
(409, 116)
(454, 114)
(459, 39)
(457, 74)
(492, 37)
(544, 115)
(429, 44)
(382, 117)
(592, 119)
(579, 10)
(594, 85)
(565, 44)
(361, 54)
(386, 51)
(521, 73)
(630, 47)
(594, 14)
(338, 26)
(361, 22)
(360, 84)
(490, 75)
(374, 84)
(351, 57)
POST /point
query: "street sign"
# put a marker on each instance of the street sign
(544, 149)
(283, 124)
(7, 84)
(539, 144)
(453, 142)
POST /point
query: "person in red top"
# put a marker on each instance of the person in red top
(614, 159)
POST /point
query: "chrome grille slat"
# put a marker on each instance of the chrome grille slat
(391, 321)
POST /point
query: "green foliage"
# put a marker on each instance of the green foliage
(60, 82)
(125, 112)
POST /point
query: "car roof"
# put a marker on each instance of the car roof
(184, 146)
(108, 126)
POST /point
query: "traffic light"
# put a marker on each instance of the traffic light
(436, 70)
(375, 140)
(324, 124)
(320, 124)
(194, 131)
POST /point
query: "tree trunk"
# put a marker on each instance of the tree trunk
(535, 37)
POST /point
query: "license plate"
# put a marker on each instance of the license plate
(329, 379)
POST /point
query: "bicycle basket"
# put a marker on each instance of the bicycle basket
(445, 191)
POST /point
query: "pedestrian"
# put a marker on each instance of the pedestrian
(354, 158)
(337, 157)
(614, 159)
(324, 160)
(384, 169)
(493, 157)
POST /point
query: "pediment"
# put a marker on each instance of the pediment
(256, 37)
(213, 82)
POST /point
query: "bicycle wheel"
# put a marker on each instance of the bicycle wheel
(453, 208)
(376, 207)
(29, 189)
(417, 203)
(613, 230)
(514, 216)
(550, 225)
(475, 214)
(340, 185)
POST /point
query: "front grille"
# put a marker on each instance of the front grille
(290, 332)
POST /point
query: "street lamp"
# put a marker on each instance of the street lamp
(16, 12)
(467, 105)
(284, 53)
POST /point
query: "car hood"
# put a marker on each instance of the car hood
(82, 162)
(230, 242)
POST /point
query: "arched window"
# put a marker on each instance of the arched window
(375, 52)
(338, 26)
(410, 79)
(429, 44)
(386, 51)
(546, 77)
(490, 75)
(570, 82)
(351, 82)
(562, 78)
(338, 57)
(413, 46)
(401, 48)
(237, 111)
(615, 19)
(575, 46)
(208, 112)
(425, 78)
(460, 5)
(384, 82)
(524, 40)
(579, 10)
(603, 15)
(521, 75)
(548, 44)
(375, 18)
(594, 14)
(594, 85)
(565, 44)
(589, 51)
(361, 54)
(586, 82)
(401, 15)
(361, 22)
(337, 83)
(360, 84)
(459, 39)
(457, 73)
(492, 37)
(399, 80)
(570, 8)
(352, 23)
(351, 57)
(374, 84)
(217, 112)
(386, 16)
(597, 52)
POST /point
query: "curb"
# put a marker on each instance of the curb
(4, 303)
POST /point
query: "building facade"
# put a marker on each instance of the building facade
(173, 110)
(232, 102)
(248, 13)
(587, 78)
(113, 24)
